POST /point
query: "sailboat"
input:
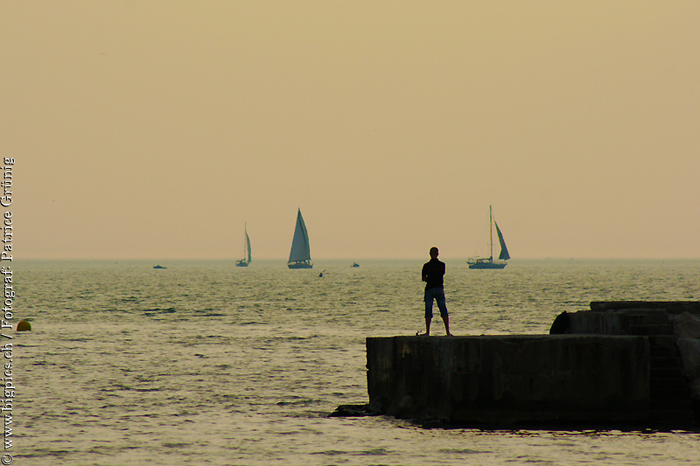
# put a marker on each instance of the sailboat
(488, 262)
(247, 259)
(300, 255)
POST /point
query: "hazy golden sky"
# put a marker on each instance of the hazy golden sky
(156, 129)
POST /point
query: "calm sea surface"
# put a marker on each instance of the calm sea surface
(206, 363)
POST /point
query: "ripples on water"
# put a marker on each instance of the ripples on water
(208, 363)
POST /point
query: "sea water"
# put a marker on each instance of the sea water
(207, 363)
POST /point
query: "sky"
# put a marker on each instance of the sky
(161, 129)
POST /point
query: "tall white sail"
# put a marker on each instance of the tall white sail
(247, 246)
(300, 255)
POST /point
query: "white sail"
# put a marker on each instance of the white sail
(300, 255)
(247, 246)
(504, 250)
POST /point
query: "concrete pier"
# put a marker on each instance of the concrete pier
(506, 380)
(616, 366)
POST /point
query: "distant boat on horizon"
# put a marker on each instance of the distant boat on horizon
(355, 264)
(300, 255)
(247, 257)
(159, 267)
(488, 262)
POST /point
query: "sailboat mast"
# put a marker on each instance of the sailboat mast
(491, 231)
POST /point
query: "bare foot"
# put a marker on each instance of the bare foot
(418, 334)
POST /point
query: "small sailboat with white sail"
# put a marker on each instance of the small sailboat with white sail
(488, 262)
(247, 257)
(300, 255)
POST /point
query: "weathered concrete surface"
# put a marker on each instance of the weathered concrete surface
(511, 380)
(686, 330)
(671, 307)
(673, 330)
(629, 317)
(630, 321)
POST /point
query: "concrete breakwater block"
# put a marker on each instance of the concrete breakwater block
(509, 380)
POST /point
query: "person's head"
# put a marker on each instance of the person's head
(434, 252)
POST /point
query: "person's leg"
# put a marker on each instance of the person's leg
(446, 319)
(440, 298)
(428, 311)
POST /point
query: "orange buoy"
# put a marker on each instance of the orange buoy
(24, 325)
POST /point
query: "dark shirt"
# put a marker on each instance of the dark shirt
(433, 273)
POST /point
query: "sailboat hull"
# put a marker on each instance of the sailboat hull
(487, 265)
(300, 265)
(241, 263)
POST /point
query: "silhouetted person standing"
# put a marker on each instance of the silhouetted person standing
(432, 274)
